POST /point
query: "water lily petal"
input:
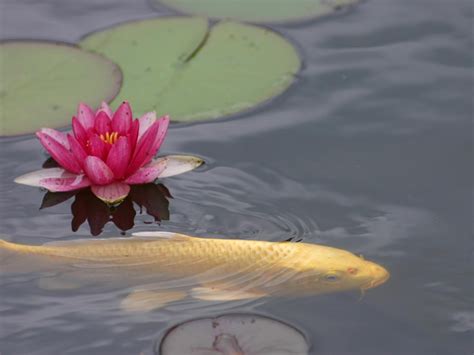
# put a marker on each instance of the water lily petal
(143, 149)
(54, 179)
(178, 164)
(148, 145)
(79, 131)
(97, 171)
(104, 107)
(145, 122)
(122, 120)
(148, 173)
(77, 149)
(97, 147)
(59, 153)
(85, 115)
(160, 137)
(119, 157)
(133, 134)
(65, 183)
(102, 123)
(58, 136)
(111, 193)
(33, 178)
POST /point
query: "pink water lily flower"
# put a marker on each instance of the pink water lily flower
(108, 151)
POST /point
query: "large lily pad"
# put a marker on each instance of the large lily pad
(42, 83)
(263, 11)
(178, 66)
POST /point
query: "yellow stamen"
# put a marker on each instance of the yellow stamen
(109, 138)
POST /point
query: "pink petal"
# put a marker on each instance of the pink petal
(97, 147)
(122, 120)
(102, 123)
(65, 183)
(160, 137)
(119, 157)
(148, 173)
(59, 153)
(177, 164)
(33, 178)
(133, 134)
(97, 171)
(79, 131)
(143, 149)
(76, 149)
(58, 136)
(145, 122)
(85, 115)
(148, 145)
(111, 193)
(105, 108)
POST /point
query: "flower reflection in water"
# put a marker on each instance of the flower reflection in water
(154, 198)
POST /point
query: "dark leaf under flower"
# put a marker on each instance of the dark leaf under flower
(87, 207)
(51, 199)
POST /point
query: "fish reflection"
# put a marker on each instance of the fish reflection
(87, 207)
(163, 267)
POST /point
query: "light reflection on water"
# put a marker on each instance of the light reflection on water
(370, 151)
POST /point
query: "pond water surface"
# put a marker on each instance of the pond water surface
(370, 151)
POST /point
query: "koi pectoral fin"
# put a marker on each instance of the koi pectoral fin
(216, 294)
(146, 300)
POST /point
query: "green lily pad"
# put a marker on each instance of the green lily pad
(261, 11)
(178, 66)
(149, 53)
(42, 83)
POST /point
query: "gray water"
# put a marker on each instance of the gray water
(370, 151)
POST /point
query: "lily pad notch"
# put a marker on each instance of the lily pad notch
(42, 82)
(182, 67)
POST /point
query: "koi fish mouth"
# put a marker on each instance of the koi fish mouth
(382, 277)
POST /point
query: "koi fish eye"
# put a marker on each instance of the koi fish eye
(331, 277)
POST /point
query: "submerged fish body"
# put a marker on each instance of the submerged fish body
(168, 266)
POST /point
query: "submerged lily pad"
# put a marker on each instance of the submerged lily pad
(42, 82)
(178, 66)
(263, 11)
(234, 334)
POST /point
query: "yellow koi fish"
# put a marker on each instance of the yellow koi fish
(163, 267)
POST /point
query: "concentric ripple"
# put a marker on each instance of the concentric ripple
(228, 202)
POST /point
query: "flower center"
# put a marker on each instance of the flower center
(110, 138)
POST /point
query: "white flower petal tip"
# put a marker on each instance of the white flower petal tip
(179, 164)
(54, 180)
(111, 194)
(234, 334)
(34, 178)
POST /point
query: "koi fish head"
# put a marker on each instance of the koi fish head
(324, 269)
